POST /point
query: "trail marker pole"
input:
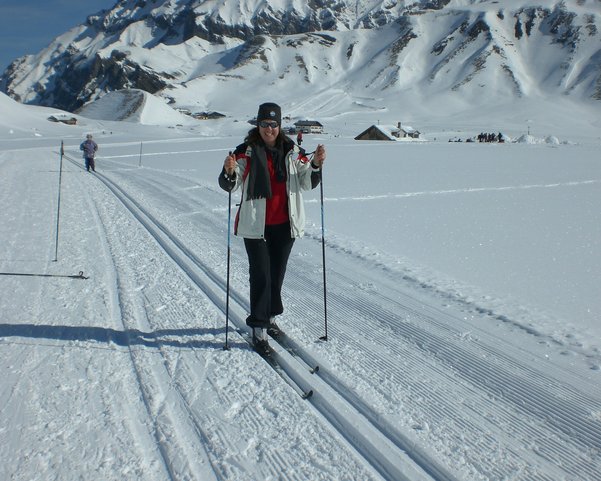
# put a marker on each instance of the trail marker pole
(58, 203)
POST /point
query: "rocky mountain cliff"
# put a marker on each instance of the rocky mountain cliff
(194, 52)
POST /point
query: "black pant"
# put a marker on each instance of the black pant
(267, 261)
(90, 164)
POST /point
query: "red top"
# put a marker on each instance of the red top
(277, 206)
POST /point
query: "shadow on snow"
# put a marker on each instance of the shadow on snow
(127, 338)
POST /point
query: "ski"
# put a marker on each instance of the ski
(77, 276)
(270, 357)
(284, 340)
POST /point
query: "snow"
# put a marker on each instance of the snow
(557, 59)
(462, 283)
(133, 105)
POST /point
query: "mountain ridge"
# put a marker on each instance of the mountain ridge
(187, 52)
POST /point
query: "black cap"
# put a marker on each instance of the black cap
(270, 111)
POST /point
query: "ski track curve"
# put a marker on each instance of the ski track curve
(183, 455)
(117, 322)
(506, 398)
(272, 462)
(380, 455)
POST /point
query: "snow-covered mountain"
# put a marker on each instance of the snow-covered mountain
(324, 54)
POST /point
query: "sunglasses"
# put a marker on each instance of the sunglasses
(268, 123)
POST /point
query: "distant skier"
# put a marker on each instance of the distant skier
(89, 148)
(299, 138)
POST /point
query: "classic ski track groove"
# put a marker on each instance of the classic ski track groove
(384, 455)
(223, 438)
(152, 383)
(117, 321)
(116, 315)
(482, 369)
(559, 418)
(558, 414)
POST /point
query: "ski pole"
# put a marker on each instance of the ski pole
(74, 276)
(323, 255)
(58, 202)
(227, 288)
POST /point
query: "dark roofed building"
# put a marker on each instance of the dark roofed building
(376, 132)
(208, 115)
(63, 119)
(388, 132)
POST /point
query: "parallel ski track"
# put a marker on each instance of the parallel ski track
(378, 444)
(393, 435)
(552, 412)
(163, 418)
(556, 412)
(559, 416)
(117, 317)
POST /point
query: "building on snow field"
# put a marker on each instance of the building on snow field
(208, 115)
(388, 132)
(308, 127)
(63, 119)
(404, 131)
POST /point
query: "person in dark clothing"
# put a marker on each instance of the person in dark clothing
(299, 138)
(271, 172)
(89, 148)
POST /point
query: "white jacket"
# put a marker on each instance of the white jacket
(250, 219)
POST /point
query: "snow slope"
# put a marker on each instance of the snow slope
(133, 106)
(463, 319)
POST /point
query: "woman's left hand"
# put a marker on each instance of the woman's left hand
(320, 156)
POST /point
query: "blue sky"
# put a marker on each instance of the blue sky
(27, 26)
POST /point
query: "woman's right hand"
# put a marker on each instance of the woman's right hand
(230, 164)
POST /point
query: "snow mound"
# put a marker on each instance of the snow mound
(14, 113)
(529, 139)
(133, 105)
(7, 102)
(551, 139)
(27, 119)
(526, 139)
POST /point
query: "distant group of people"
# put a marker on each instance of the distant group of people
(483, 137)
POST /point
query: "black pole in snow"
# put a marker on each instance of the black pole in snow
(323, 253)
(227, 288)
(58, 204)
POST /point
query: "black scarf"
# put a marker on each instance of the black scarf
(259, 183)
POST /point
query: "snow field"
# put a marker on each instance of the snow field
(445, 334)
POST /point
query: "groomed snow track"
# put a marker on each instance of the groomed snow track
(562, 418)
(384, 448)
